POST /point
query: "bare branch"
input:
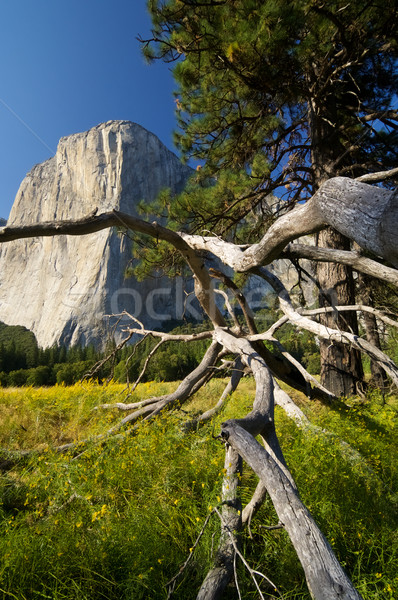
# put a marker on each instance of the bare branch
(307, 376)
(251, 571)
(294, 412)
(340, 203)
(359, 307)
(112, 354)
(222, 571)
(373, 210)
(237, 373)
(377, 177)
(229, 308)
(324, 332)
(345, 257)
(322, 570)
(247, 313)
(173, 337)
(146, 363)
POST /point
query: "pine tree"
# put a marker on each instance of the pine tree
(276, 97)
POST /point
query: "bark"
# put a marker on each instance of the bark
(237, 374)
(351, 258)
(378, 375)
(221, 573)
(341, 366)
(364, 213)
(325, 577)
(325, 333)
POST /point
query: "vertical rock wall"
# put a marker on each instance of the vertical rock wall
(61, 287)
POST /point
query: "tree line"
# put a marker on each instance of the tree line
(24, 363)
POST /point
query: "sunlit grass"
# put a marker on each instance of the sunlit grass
(118, 521)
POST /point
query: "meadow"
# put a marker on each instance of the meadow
(118, 519)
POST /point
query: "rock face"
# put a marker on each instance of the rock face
(61, 287)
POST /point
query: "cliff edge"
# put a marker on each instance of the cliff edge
(60, 288)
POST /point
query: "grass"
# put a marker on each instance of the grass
(118, 522)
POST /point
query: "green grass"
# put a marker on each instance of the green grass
(117, 522)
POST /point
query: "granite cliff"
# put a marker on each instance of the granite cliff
(60, 288)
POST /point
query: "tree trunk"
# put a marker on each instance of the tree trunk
(221, 574)
(326, 579)
(378, 375)
(341, 366)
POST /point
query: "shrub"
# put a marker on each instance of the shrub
(70, 373)
(39, 376)
(18, 378)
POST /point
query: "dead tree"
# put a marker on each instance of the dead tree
(366, 214)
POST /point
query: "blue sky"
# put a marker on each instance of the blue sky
(67, 66)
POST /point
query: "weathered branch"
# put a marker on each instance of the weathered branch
(377, 177)
(364, 213)
(324, 332)
(221, 573)
(326, 579)
(237, 373)
(116, 218)
(181, 394)
(358, 307)
(151, 354)
(306, 375)
(229, 308)
(239, 296)
(280, 368)
(294, 412)
(345, 257)
(173, 337)
(252, 572)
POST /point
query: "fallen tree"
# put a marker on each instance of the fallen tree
(369, 215)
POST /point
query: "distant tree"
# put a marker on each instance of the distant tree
(18, 348)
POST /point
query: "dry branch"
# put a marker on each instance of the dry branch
(324, 332)
(222, 571)
(344, 257)
(358, 307)
(237, 373)
(366, 214)
(326, 579)
(284, 401)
